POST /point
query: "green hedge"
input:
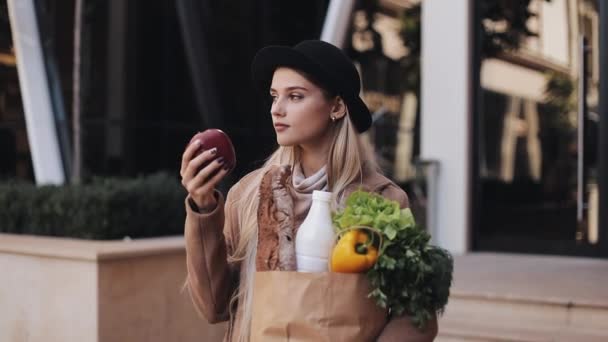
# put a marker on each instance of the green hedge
(107, 208)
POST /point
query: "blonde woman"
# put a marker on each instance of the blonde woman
(318, 116)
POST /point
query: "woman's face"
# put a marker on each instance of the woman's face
(300, 110)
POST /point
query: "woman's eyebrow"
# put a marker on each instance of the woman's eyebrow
(291, 88)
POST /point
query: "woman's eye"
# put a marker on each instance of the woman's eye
(295, 97)
(273, 98)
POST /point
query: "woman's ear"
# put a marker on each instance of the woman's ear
(338, 110)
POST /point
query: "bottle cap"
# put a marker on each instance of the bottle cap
(321, 195)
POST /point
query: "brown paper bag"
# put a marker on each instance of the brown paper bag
(314, 307)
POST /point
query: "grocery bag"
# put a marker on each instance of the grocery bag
(314, 307)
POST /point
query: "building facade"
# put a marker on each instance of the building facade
(491, 116)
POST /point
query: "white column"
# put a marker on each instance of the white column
(33, 81)
(337, 21)
(446, 127)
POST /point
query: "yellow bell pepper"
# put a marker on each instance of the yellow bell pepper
(353, 253)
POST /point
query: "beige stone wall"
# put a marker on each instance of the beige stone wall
(71, 290)
(140, 299)
(47, 299)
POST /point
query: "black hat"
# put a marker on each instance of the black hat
(322, 61)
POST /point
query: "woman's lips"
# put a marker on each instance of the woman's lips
(280, 127)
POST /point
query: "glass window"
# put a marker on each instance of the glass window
(14, 148)
(529, 121)
(385, 44)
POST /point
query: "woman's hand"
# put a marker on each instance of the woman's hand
(200, 182)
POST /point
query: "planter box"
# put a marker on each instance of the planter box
(58, 289)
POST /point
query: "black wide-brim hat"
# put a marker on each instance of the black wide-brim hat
(323, 62)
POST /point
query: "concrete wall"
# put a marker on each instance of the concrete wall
(47, 299)
(72, 290)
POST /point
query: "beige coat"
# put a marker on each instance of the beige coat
(211, 236)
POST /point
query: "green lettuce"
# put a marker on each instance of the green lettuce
(411, 276)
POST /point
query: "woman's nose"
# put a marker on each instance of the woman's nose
(277, 108)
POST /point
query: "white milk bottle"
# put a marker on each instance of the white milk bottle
(315, 237)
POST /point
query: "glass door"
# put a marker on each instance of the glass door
(539, 128)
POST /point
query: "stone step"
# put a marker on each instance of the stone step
(503, 297)
(466, 331)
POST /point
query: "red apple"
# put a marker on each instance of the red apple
(211, 138)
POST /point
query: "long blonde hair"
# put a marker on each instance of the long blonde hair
(348, 156)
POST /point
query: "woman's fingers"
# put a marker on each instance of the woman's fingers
(200, 181)
(211, 184)
(195, 164)
(217, 178)
(188, 154)
(207, 178)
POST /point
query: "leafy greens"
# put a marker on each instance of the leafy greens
(411, 276)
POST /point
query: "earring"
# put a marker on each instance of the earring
(333, 118)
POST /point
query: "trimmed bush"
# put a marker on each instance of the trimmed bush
(105, 208)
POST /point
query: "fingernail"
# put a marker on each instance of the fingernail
(220, 160)
(197, 142)
(214, 150)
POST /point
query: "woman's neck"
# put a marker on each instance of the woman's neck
(312, 159)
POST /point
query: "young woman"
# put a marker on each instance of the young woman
(318, 116)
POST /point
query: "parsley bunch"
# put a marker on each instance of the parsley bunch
(411, 276)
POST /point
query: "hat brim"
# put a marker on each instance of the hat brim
(268, 59)
(361, 117)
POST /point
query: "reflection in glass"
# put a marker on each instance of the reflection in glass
(15, 155)
(385, 44)
(528, 122)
